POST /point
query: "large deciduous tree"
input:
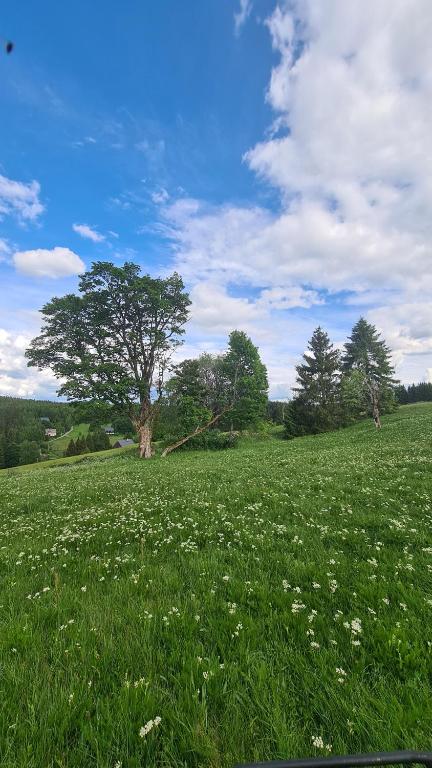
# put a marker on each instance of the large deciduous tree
(113, 341)
(368, 357)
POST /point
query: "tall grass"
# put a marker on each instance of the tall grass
(271, 601)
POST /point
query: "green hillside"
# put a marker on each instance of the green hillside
(59, 444)
(256, 600)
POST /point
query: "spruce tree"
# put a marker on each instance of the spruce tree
(29, 452)
(71, 449)
(80, 445)
(366, 353)
(11, 454)
(315, 407)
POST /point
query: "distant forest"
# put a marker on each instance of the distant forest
(414, 393)
(22, 428)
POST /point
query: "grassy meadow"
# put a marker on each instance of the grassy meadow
(268, 602)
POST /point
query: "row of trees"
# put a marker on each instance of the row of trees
(414, 393)
(112, 344)
(336, 388)
(95, 440)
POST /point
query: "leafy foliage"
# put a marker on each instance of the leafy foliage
(209, 386)
(113, 342)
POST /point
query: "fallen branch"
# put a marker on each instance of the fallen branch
(196, 431)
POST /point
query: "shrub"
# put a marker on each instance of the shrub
(212, 440)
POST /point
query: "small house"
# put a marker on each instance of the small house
(50, 432)
(122, 443)
(109, 429)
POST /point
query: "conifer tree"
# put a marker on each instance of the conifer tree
(367, 354)
(29, 452)
(315, 407)
(71, 448)
(80, 445)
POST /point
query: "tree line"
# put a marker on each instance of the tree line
(111, 345)
(414, 393)
(95, 440)
(336, 388)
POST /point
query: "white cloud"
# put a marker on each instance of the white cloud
(20, 199)
(160, 196)
(88, 232)
(350, 155)
(242, 15)
(215, 312)
(42, 262)
(15, 377)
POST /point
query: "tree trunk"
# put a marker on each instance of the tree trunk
(143, 423)
(145, 436)
(373, 391)
(197, 431)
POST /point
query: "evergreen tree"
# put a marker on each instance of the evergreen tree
(71, 449)
(367, 353)
(28, 452)
(2, 454)
(353, 402)
(11, 454)
(315, 407)
(401, 394)
(80, 445)
(414, 393)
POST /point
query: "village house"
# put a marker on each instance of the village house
(122, 443)
(50, 432)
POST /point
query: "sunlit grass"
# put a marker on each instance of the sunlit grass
(258, 601)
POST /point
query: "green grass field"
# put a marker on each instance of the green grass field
(59, 444)
(266, 602)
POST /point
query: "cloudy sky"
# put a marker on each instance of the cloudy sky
(277, 154)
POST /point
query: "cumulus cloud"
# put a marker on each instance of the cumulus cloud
(241, 16)
(349, 152)
(20, 199)
(42, 262)
(15, 377)
(88, 232)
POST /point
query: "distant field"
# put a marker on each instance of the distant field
(59, 444)
(256, 600)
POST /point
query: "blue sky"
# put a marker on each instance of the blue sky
(276, 154)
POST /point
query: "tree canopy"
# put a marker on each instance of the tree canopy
(113, 341)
